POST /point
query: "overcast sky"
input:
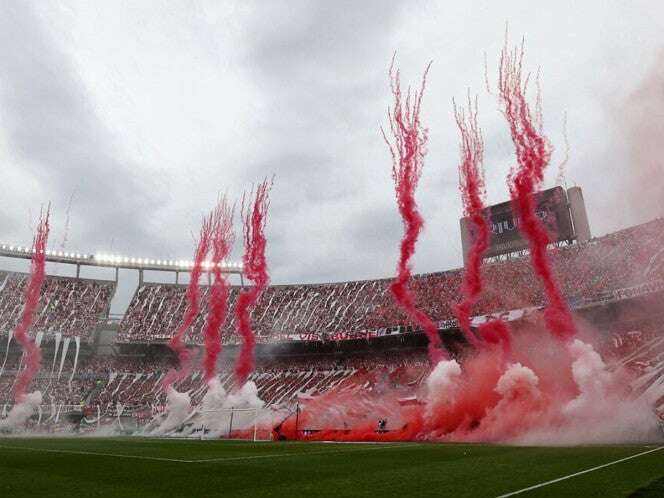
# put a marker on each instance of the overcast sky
(142, 112)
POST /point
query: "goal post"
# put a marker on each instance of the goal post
(252, 424)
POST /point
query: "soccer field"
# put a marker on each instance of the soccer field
(141, 467)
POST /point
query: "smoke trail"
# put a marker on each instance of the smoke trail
(561, 178)
(471, 186)
(408, 148)
(222, 241)
(65, 234)
(31, 351)
(254, 217)
(193, 306)
(533, 152)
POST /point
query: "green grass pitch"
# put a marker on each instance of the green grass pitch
(142, 467)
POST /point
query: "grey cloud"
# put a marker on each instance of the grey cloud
(53, 127)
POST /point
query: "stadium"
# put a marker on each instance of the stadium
(534, 366)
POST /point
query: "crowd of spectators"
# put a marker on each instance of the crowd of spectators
(70, 306)
(586, 271)
(55, 390)
(135, 383)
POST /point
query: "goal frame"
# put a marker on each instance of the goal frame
(233, 412)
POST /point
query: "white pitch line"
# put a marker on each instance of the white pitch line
(94, 453)
(206, 460)
(305, 453)
(553, 481)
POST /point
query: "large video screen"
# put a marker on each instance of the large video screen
(552, 209)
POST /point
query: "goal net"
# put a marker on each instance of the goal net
(252, 424)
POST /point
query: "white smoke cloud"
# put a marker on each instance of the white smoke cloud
(602, 412)
(245, 397)
(442, 384)
(518, 382)
(518, 409)
(222, 412)
(178, 407)
(591, 376)
(212, 403)
(22, 411)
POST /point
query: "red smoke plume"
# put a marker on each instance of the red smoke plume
(542, 396)
(533, 152)
(255, 269)
(408, 148)
(497, 333)
(193, 306)
(452, 412)
(222, 241)
(471, 185)
(37, 272)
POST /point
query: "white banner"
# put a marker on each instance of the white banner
(77, 341)
(65, 347)
(9, 340)
(58, 337)
(122, 379)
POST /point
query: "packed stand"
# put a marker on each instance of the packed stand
(134, 384)
(587, 272)
(70, 306)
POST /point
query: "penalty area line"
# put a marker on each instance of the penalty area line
(570, 476)
(95, 453)
(304, 453)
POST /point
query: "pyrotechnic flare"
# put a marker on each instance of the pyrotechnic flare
(222, 241)
(193, 307)
(31, 351)
(254, 217)
(533, 152)
(408, 148)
